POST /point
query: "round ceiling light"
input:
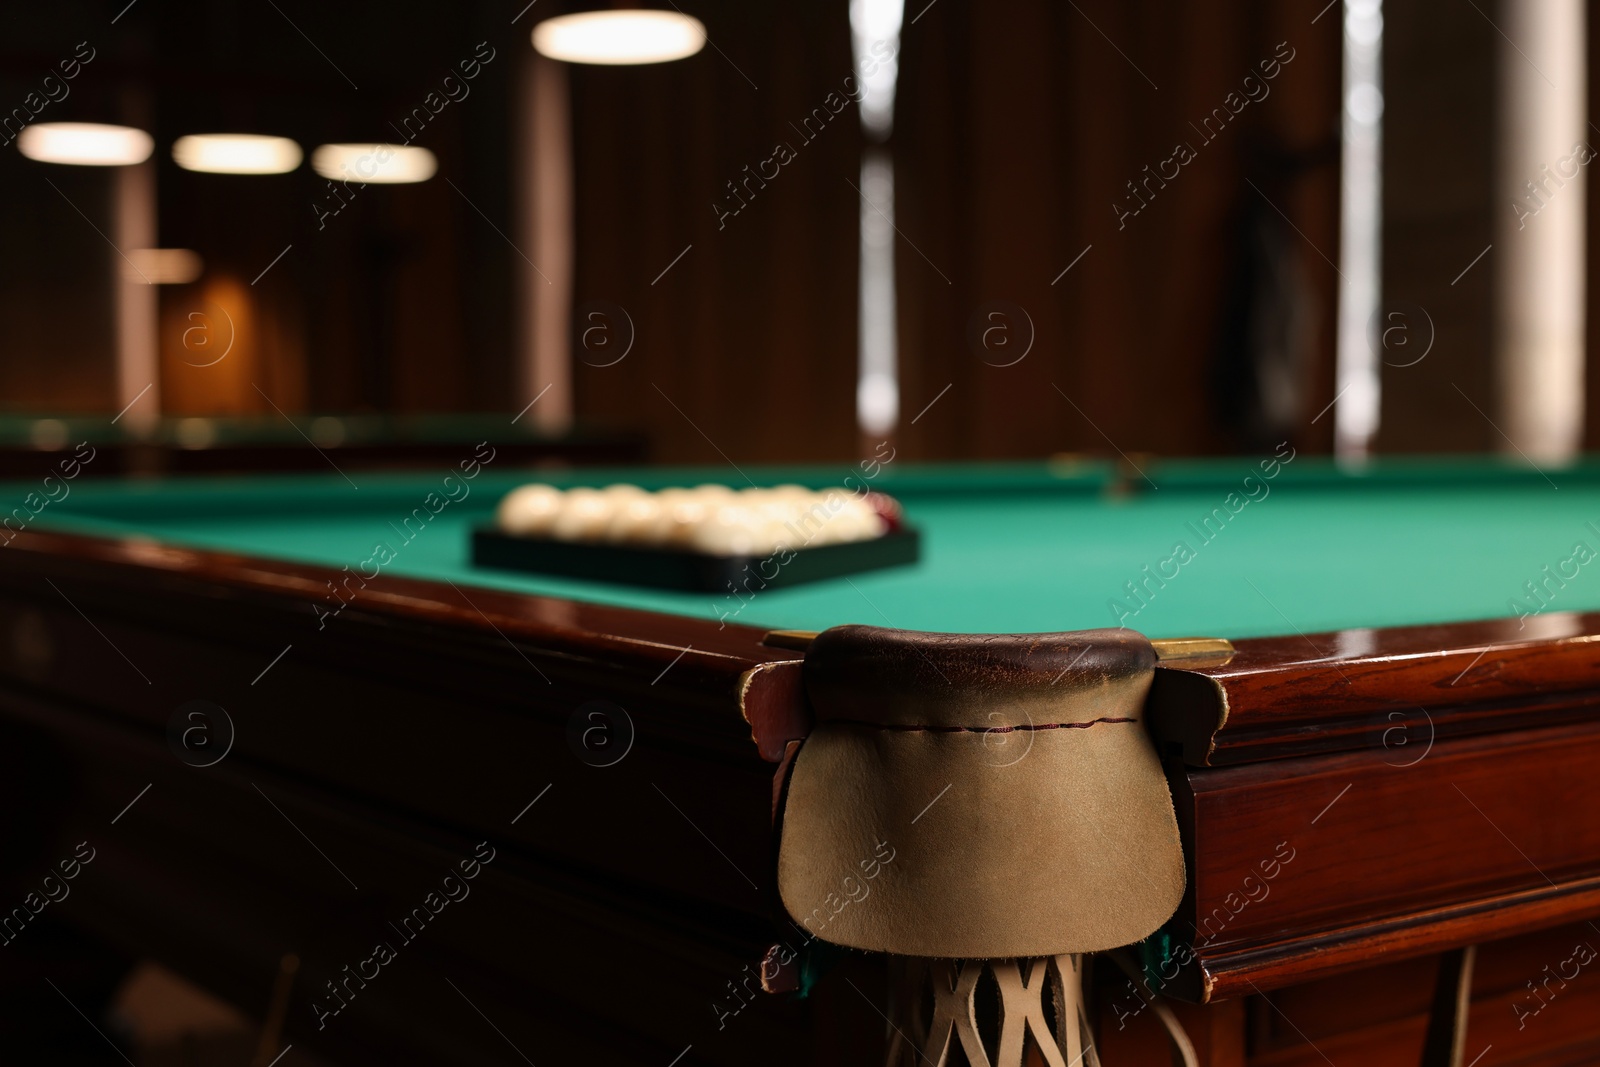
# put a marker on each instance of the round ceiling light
(236, 153)
(620, 37)
(374, 164)
(87, 144)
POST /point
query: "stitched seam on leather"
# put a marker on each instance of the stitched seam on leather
(1029, 727)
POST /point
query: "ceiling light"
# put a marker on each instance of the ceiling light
(163, 266)
(236, 153)
(90, 144)
(378, 164)
(620, 37)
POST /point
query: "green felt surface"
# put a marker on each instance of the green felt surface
(1020, 547)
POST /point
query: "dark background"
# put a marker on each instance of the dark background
(1018, 125)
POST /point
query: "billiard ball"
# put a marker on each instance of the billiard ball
(528, 510)
(713, 519)
(583, 516)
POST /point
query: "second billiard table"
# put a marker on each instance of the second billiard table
(1380, 755)
(275, 442)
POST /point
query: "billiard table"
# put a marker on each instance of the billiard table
(499, 817)
(30, 446)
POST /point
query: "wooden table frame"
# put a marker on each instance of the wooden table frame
(1410, 790)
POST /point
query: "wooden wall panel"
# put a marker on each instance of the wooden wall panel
(1019, 130)
(56, 280)
(745, 347)
(1438, 184)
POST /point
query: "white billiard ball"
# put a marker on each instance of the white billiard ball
(714, 496)
(635, 520)
(771, 536)
(623, 491)
(584, 516)
(858, 520)
(528, 510)
(726, 531)
(682, 510)
(764, 503)
(820, 521)
(753, 497)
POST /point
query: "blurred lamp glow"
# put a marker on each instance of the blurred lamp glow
(236, 153)
(620, 37)
(163, 266)
(377, 164)
(89, 144)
